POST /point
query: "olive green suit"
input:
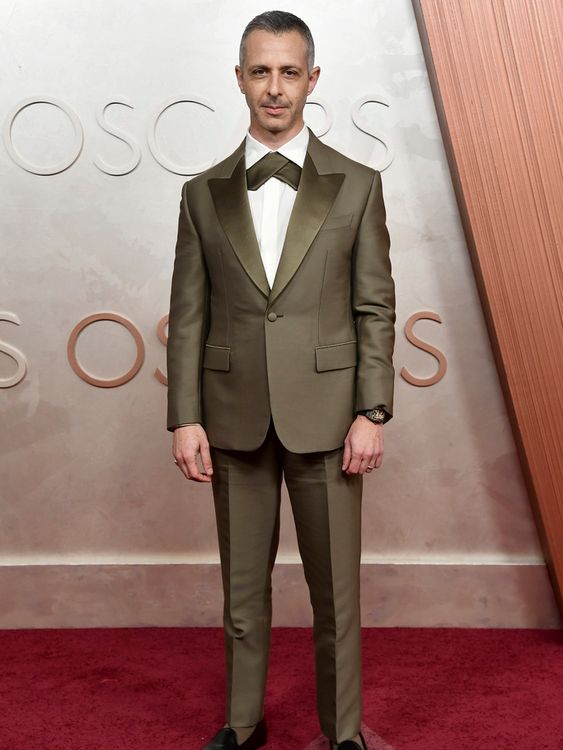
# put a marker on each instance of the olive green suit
(275, 377)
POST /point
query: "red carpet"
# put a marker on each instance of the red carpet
(162, 689)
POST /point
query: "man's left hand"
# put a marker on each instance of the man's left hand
(363, 446)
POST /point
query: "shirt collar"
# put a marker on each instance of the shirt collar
(295, 149)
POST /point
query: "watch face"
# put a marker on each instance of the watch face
(376, 415)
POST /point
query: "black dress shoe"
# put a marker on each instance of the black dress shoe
(226, 739)
(351, 745)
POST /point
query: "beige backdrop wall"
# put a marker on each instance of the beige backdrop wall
(97, 526)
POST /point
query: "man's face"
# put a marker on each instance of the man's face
(275, 82)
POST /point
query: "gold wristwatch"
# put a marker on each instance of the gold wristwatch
(377, 415)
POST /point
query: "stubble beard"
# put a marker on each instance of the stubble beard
(273, 124)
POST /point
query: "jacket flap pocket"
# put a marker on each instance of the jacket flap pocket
(217, 357)
(336, 356)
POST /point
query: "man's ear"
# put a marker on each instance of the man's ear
(238, 73)
(313, 78)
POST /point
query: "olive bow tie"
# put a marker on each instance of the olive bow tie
(273, 165)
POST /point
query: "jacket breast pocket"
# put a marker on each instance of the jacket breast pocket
(217, 357)
(338, 221)
(336, 356)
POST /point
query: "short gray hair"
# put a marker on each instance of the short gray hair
(279, 22)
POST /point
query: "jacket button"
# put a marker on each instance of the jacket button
(272, 316)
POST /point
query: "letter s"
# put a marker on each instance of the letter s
(442, 362)
(379, 135)
(127, 138)
(14, 353)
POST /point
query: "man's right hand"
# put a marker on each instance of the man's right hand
(188, 442)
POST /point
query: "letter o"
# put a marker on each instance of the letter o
(163, 338)
(36, 168)
(105, 382)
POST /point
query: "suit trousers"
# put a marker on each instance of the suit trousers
(326, 506)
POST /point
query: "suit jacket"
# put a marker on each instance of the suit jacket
(310, 351)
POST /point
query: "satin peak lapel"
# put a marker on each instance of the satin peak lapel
(230, 198)
(314, 199)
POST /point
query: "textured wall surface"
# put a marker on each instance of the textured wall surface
(97, 526)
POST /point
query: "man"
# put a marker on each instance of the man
(281, 335)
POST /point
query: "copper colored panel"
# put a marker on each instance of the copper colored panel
(496, 70)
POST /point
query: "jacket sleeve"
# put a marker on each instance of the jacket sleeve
(373, 301)
(187, 323)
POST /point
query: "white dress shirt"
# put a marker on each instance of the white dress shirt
(272, 203)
